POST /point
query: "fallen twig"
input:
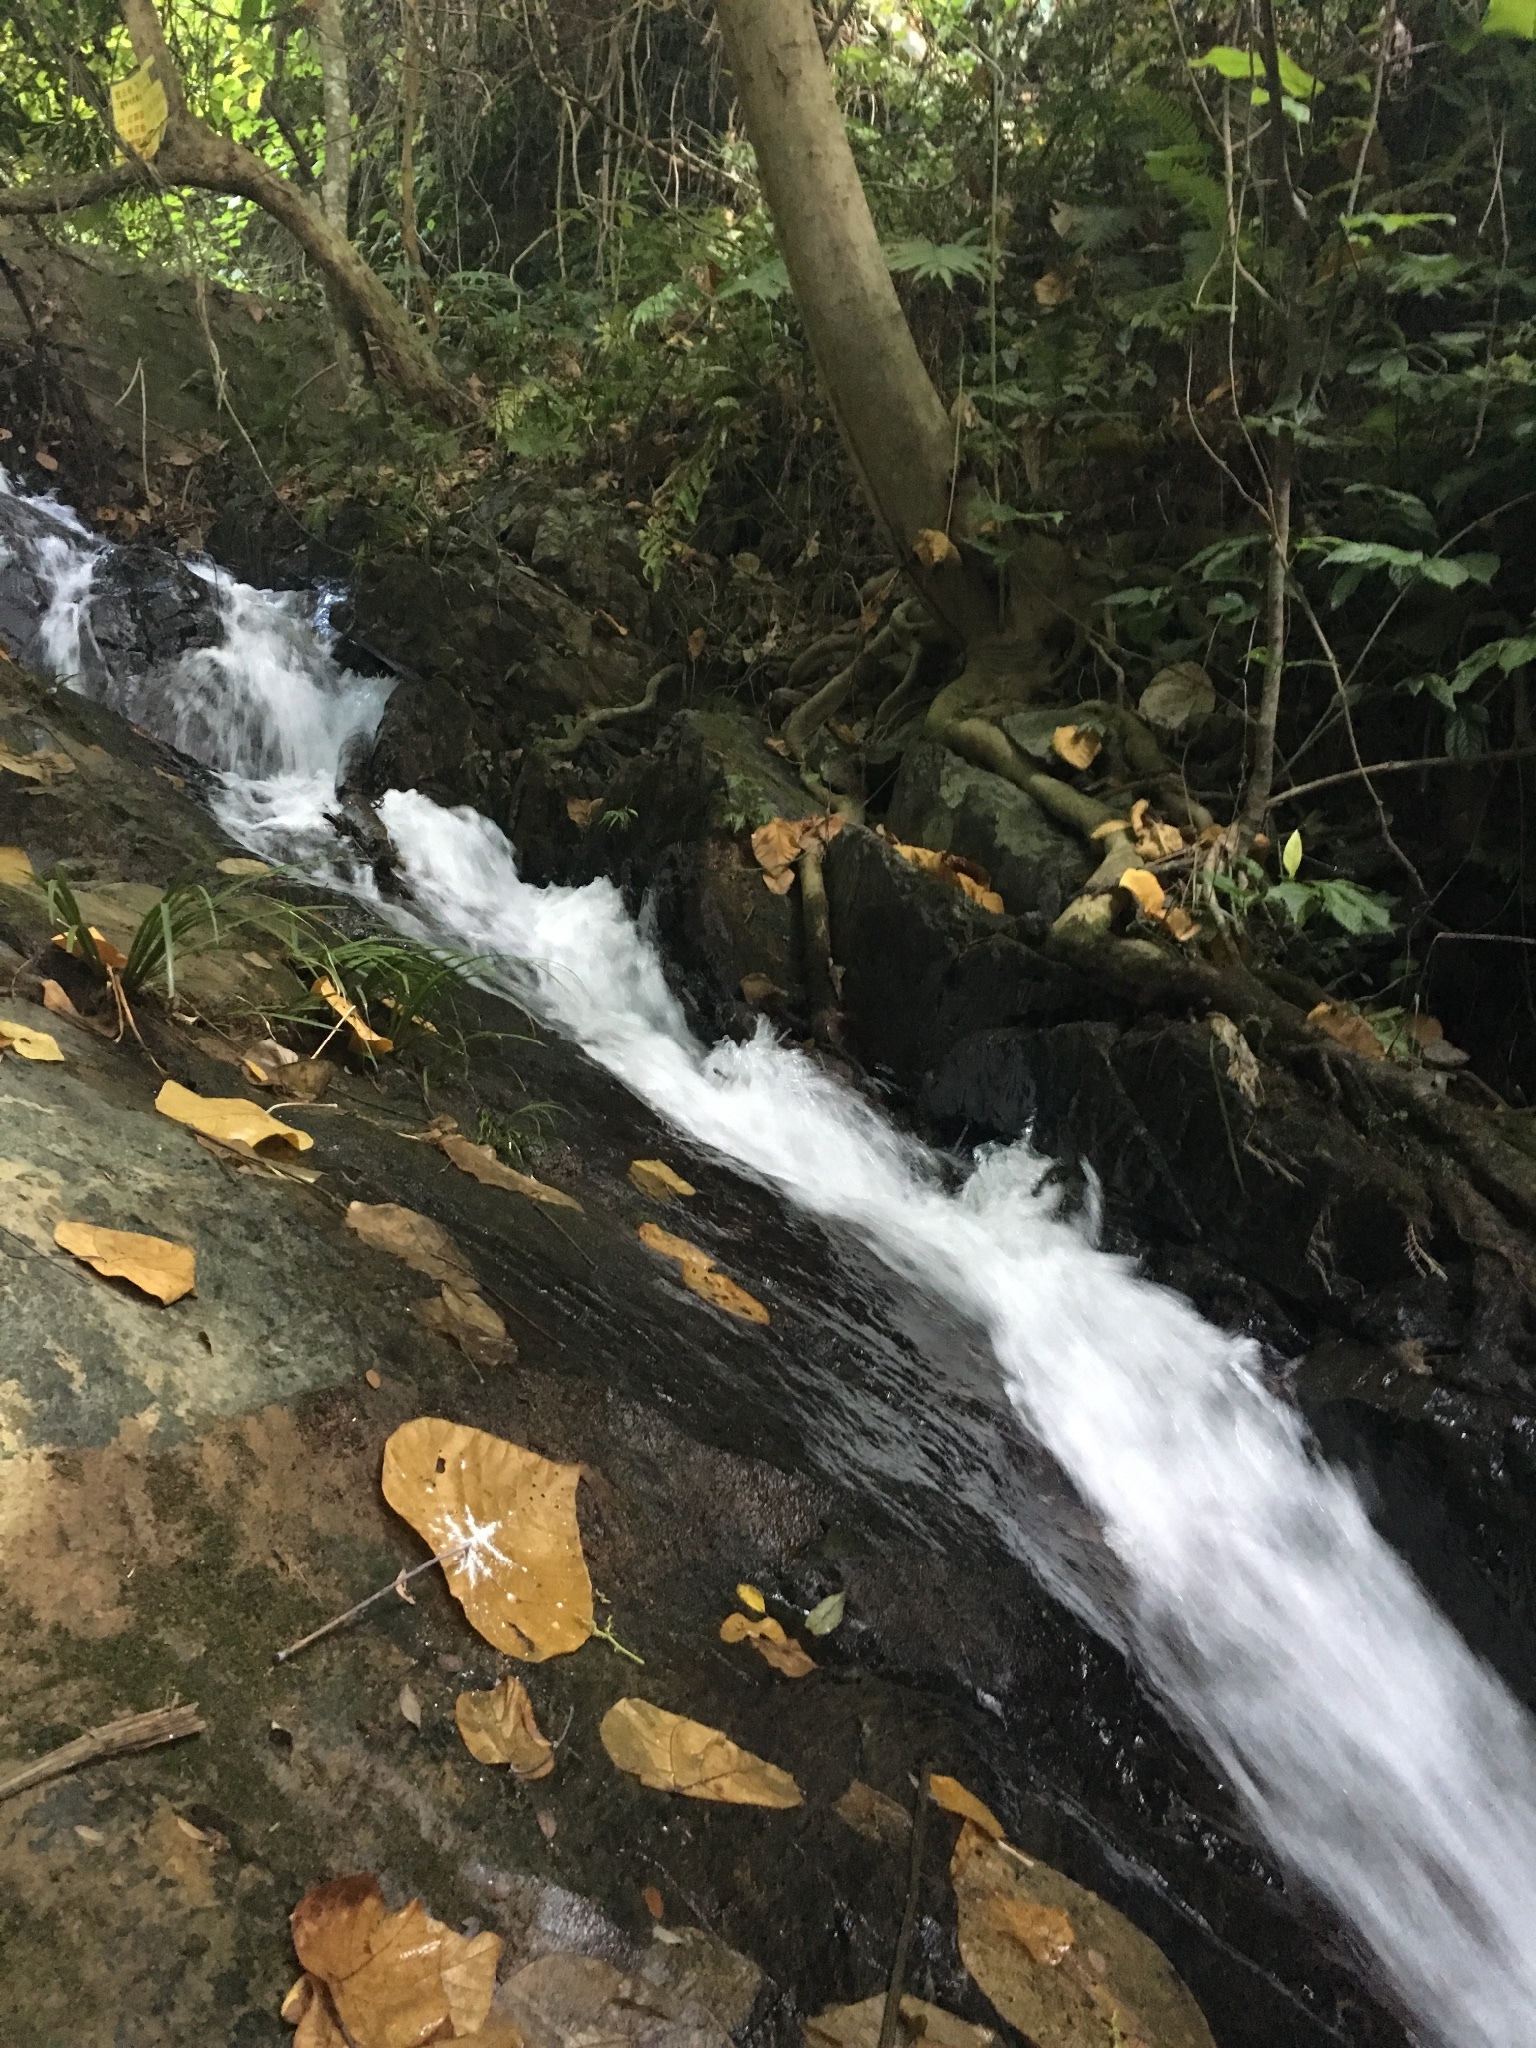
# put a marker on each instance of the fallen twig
(114, 1738)
(396, 1585)
(890, 2019)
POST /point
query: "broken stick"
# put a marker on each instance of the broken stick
(114, 1738)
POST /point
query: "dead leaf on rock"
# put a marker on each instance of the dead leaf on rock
(152, 1264)
(308, 2007)
(1242, 1067)
(581, 810)
(873, 1815)
(673, 1754)
(1179, 925)
(1154, 840)
(481, 1162)
(698, 640)
(424, 1245)
(237, 864)
(777, 845)
(655, 1178)
(229, 1118)
(467, 1319)
(504, 1521)
(1057, 1962)
(920, 2026)
(1076, 745)
(967, 877)
(954, 1798)
(350, 1015)
(933, 548)
(409, 1705)
(57, 1000)
(760, 988)
(751, 1597)
(27, 1043)
(15, 868)
(499, 1727)
(826, 1615)
(41, 767)
(395, 1980)
(1145, 889)
(1347, 1028)
(698, 1272)
(770, 1642)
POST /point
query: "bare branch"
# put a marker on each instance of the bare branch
(70, 193)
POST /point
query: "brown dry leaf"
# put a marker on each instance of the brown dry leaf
(1178, 923)
(698, 1271)
(1147, 890)
(655, 1905)
(106, 952)
(1058, 1963)
(396, 1980)
(1053, 289)
(1076, 745)
(760, 988)
(954, 1798)
(237, 864)
(920, 2025)
(874, 1815)
(777, 746)
(57, 1000)
(581, 810)
(698, 640)
(152, 1264)
(466, 1318)
(777, 845)
(950, 867)
(783, 1652)
(351, 1016)
(374, 1377)
(228, 1118)
(424, 1245)
(933, 548)
(655, 1178)
(409, 1705)
(29, 1044)
(1154, 841)
(672, 1754)
(1424, 1030)
(1347, 1028)
(499, 1727)
(509, 1517)
(45, 459)
(41, 766)
(15, 868)
(481, 1162)
(308, 2007)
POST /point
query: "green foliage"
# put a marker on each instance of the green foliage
(403, 990)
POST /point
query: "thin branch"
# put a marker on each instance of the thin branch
(70, 193)
(1301, 789)
(122, 1737)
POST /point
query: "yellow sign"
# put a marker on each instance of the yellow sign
(139, 111)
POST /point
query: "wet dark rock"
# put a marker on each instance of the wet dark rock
(941, 800)
(147, 609)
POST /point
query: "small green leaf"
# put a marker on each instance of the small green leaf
(826, 1614)
(1511, 18)
(1290, 856)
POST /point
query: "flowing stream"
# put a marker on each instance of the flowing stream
(1377, 1755)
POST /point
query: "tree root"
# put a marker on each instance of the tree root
(593, 721)
(807, 719)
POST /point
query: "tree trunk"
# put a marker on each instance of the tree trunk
(893, 422)
(191, 153)
(336, 177)
(410, 93)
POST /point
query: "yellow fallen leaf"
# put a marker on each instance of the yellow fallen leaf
(760, 988)
(1154, 840)
(1147, 890)
(351, 1016)
(1347, 1028)
(499, 1727)
(698, 1272)
(750, 1597)
(1076, 745)
(308, 2007)
(655, 1178)
(777, 845)
(229, 1118)
(672, 1754)
(770, 1642)
(108, 954)
(954, 1798)
(970, 880)
(396, 1980)
(57, 1000)
(1059, 1963)
(41, 766)
(30, 1044)
(933, 548)
(581, 810)
(481, 1162)
(15, 868)
(237, 865)
(424, 1245)
(921, 2026)
(465, 1318)
(509, 1518)
(1179, 924)
(152, 1264)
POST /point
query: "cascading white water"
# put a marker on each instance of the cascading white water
(1379, 1757)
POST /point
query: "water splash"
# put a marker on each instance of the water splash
(1379, 1757)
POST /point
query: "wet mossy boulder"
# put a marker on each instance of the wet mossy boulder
(941, 800)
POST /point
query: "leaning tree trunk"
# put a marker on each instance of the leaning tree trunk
(191, 153)
(336, 177)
